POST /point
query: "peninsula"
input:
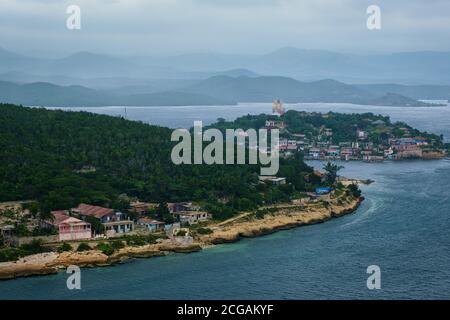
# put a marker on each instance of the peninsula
(93, 190)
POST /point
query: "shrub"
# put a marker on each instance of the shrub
(151, 238)
(259, 214)
(65, 247)
(204, 231)
(9, 254)
(44, 231)
(135, 241)
(353, 190)
(181, 233)
(117, 244)
(105, 248)
(33, 247)
(83, 247)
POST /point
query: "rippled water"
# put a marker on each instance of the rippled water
(402, 226)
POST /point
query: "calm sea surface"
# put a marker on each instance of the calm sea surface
(402, 226)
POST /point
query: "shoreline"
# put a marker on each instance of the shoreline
(286, 217)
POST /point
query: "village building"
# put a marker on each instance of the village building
(69, 228)
(114, 222)
(191, 217)
(151, 224)
(172, 229)
(361, 134)
(373, 158)
(333, 152)
(346, 153)
(292, 145)
(314, 153)
(272, 179)
(182, 206)
(274, 124)
(141, 207)
(407, 151)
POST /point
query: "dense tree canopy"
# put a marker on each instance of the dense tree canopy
(63, 158)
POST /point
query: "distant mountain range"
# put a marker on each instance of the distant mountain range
(89, 79)
(217, 90)
(50, 95)
(417, 68)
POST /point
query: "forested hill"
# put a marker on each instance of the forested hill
(49, 156)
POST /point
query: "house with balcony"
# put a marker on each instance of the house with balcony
(69, 228)
(114, 222)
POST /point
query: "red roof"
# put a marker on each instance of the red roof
(94, 211)
(60, 216)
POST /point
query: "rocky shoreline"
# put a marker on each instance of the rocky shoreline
(52, 262)
(289, 217)
(284, 217)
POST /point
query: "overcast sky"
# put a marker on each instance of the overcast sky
(148, 27)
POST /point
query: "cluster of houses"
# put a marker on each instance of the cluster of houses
(393, 149)
(323, 148)
(75, 224)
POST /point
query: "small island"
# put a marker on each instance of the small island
(336, 136)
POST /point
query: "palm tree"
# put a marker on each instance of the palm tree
(332, 172)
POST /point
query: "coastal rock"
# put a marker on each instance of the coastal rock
(281, 221)
(287, 217)
(81, 259)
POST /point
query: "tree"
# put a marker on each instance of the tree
(46, 215)
(163, 213)
(96, 224)
(353, 190)
(332, 172)
(33, 207)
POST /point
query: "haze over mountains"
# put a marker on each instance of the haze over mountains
(291, 74)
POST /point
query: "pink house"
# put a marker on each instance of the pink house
(71, 228)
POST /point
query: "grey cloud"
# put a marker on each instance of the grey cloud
(244, 26)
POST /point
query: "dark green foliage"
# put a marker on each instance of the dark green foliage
(43, 151)
(12, 254)
(117, 244)
(9, 254)
(204, 231)
(65, 247)
(181, 233)
(83, 247)
(49, 231)
(331, 170)
(135, 240)
(105, 248)
(353, 190)
(34, 247)
(162, 212)
(96, 224)
(21, 230)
